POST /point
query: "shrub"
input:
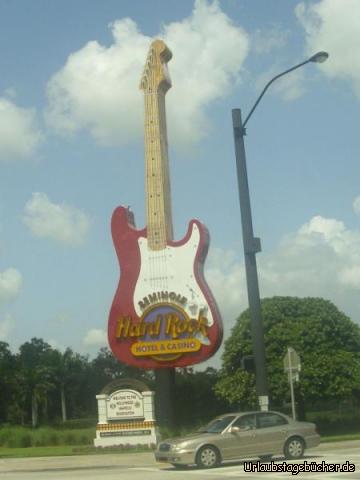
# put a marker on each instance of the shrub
(70, 439)
(25, 440)
(53, 439)
(76, 423)
(334, 423)
(166, 432)
(4, 436)
(44, 436)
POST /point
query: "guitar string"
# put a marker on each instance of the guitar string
(154, 210)
(166, 179)
(163, 166)
(147, 172)
(157, 156)
(165, 184)
(148, 175)
(155, 231)
(157, 176)
(152, 183)
(160, 98)
(154, 169)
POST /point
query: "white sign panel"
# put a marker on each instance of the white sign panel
(292, 361)
(124, 404)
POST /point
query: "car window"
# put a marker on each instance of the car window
(266, 420)
(245, 421)
(218, 425)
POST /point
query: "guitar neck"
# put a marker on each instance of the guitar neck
(158, 194)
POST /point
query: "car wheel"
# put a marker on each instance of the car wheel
(265, 458)
(294, 448)
(207, 457)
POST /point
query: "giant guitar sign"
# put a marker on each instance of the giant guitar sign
(163, 313)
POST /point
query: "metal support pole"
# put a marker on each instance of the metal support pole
(291, 381)
(164, 396)
(251, 247)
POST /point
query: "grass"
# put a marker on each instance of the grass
(18, 437)
(6, 452)
(65, 450)
(340, 438)
(18, 441)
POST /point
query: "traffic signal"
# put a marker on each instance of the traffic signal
(248, 363)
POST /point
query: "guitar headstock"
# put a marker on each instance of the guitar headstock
(156, 75)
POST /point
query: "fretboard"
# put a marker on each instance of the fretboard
(158, 194)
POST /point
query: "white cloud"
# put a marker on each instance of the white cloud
(64, 224)
(96, 337)
(350, 276)
(226, 278)
(356, 205)
(266, 40)
(19, 133)
(10, 92)
(333, 26)
(97, 88)
(10, 284)
(6, 326)
(290, 87)
(62, 318)
(321, 259)
(56, 345)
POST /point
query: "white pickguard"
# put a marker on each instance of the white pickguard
(172, 270)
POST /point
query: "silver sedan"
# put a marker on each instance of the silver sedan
(240, 435)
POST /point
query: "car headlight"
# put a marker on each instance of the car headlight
(175, 448)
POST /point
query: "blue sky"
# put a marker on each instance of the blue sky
(71, 150)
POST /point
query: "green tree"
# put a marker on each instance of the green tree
(7, 385)
(106, 368)
(195, 399)
(36, 375)
(327, 341)
(70, 372)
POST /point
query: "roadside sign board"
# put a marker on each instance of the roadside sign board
(292, 361)
(292, 367)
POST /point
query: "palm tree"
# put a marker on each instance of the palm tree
(64, 369)
(35, 375)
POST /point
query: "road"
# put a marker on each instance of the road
(141, 466)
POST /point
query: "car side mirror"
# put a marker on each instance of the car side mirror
(238, 429)
(234, 430)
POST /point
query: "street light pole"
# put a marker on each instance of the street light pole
(251, 247)
(252, 244)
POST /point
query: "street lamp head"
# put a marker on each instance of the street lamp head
(319, 57)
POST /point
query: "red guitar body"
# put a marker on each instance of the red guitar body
(181, 297)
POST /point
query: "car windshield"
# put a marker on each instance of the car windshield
(217, 425)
